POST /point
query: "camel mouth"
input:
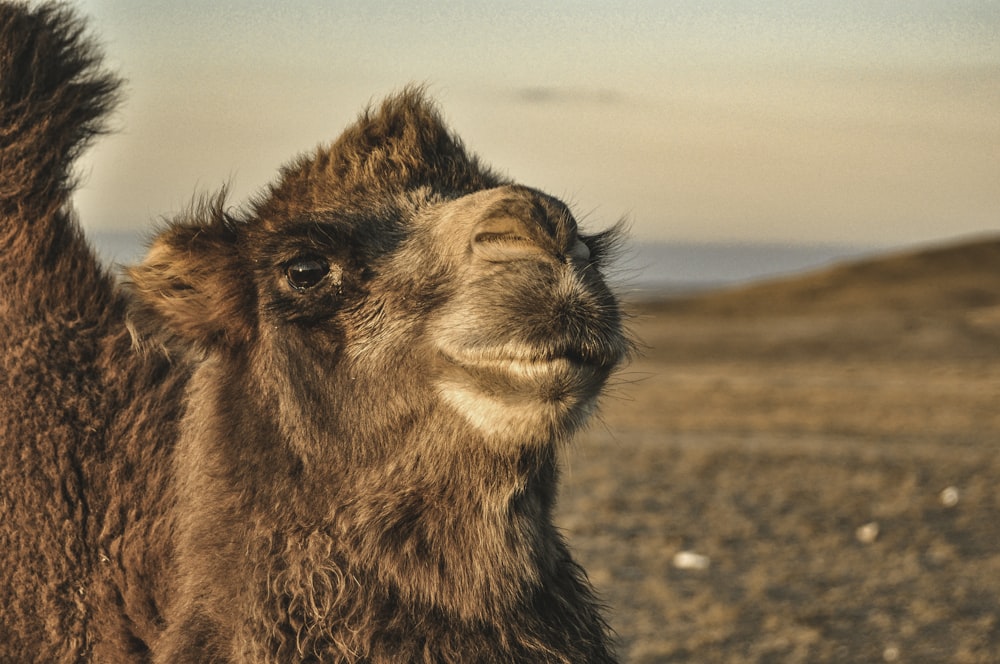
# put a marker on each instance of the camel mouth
(539, 397)
(525, 377)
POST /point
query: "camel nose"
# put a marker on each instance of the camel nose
(527, 225)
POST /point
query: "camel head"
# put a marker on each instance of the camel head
(387, 288)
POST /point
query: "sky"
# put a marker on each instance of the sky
(870, 123)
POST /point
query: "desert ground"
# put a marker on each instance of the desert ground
(803, 470)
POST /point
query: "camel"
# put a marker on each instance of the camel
(323, 426)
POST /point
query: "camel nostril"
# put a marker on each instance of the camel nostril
(504, 238)
(495, 238)
(523, 224)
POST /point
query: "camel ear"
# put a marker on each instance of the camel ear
(190, 292)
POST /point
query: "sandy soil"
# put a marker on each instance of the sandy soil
(834, 474)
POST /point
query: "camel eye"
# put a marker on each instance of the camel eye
(303, 273)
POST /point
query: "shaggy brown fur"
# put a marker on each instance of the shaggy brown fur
(323, 429)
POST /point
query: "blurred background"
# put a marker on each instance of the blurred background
(810, 130)
(802, 461)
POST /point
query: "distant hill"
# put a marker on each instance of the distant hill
(937, 303)
(946, 278)
(656, 268)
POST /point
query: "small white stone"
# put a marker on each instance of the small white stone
(868, 533)
(949, 497)
(890, 654)
(691, 560)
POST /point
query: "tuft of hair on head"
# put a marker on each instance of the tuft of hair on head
(401, 144)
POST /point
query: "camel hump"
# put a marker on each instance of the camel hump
(54, 98)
